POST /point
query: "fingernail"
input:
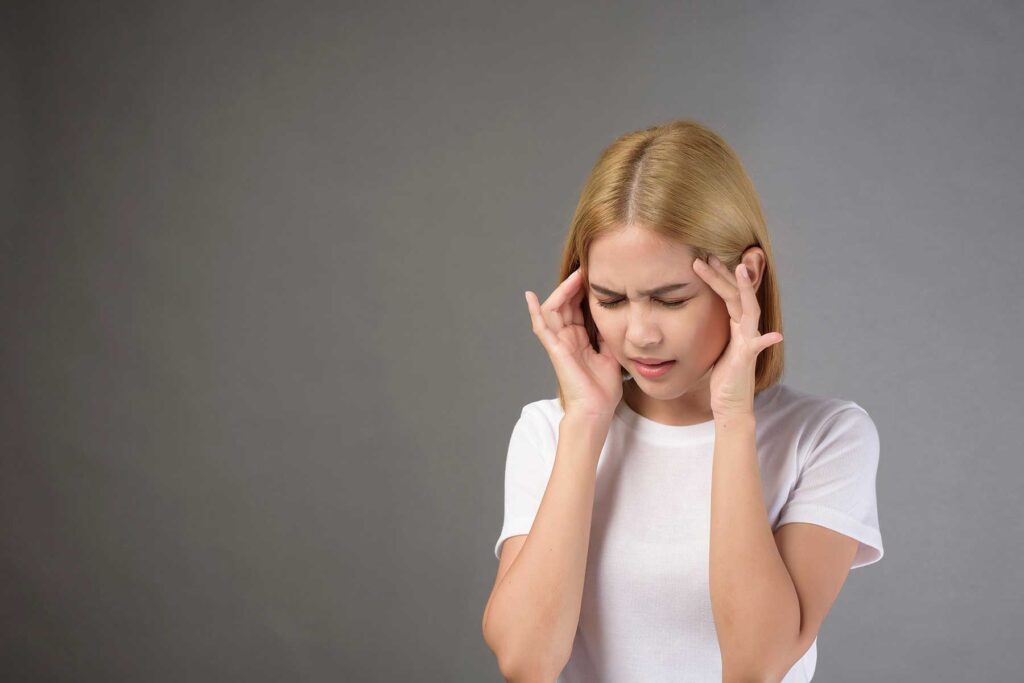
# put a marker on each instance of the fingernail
(743, 270)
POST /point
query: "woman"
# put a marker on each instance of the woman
(677, 513)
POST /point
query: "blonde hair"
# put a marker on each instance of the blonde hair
(682, 181)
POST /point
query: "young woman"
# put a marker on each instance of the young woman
(676, 513)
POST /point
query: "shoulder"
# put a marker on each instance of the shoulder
(541, 418)
(813, 416)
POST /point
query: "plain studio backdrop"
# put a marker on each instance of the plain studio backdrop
(264, 337)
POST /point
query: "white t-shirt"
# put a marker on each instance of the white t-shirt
(646, 610)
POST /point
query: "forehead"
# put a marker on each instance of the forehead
(635, 255)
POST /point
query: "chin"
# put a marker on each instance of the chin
(659, 389)
(678, 386)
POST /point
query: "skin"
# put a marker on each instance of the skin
(713, 343)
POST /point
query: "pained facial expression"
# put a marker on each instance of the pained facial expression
(693, 333)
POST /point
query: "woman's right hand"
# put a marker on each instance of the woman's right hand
(591, 381)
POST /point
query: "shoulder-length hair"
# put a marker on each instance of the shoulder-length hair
(680, 180)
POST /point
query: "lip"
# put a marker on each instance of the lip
(649, 361)
(653, 371)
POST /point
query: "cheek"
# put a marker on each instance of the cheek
(714, 330)
(688, 335)
(604, 328)
(698, 329)
(600, 317)
(611, 326)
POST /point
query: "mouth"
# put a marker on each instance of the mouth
(653, 369)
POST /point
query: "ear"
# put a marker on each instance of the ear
(753, 258)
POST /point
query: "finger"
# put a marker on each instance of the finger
(743, 308)
(551, 318)
(575, 312)
(712, 276)
(727, 278)
(748, 299)
(720, 283)
(554, 308)
(565, 290)
(766, 340)
(540, 327)
(571, 312)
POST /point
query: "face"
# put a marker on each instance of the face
(688, 324)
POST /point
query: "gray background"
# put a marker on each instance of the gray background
(264, 336)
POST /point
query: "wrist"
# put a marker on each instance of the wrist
(586, 421)
(735, 421)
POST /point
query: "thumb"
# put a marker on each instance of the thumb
(769, 339)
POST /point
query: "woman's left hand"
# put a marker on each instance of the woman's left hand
(732, 376)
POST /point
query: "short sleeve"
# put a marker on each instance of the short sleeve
(836, 484)
(528, 465)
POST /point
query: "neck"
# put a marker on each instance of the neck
(692, 407)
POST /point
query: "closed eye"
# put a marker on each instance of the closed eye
(667, 304)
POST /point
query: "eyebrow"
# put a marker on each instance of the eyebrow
(657, 290)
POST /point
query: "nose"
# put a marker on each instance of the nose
(641, 329)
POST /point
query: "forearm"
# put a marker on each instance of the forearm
(754, 602)
(533, 615)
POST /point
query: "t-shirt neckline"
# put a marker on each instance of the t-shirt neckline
(656, 431)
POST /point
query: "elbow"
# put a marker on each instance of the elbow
(752, 675)
(770, 665)
(519, 660)
(749, 673)
(509, 672)
(749, 677)
(517, 673)
(523, 669)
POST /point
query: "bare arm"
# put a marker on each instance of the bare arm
(753, 600)
(531, 617)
